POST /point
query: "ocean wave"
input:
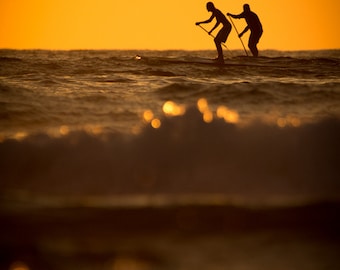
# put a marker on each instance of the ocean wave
(4, 59)
(181, 88)
(113, 79)
(5, 87)
(185, 155)
(268, 92)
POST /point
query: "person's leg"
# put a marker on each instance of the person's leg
(252, 45)
(253, 49)
(219, 51)
(221, 37)
(253, 40)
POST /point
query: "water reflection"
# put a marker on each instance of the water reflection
(231, 116)
(148, 116)
(170, 108)
(203, 107)
(156, 123)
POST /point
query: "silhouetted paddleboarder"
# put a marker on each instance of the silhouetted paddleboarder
(255, 26)
(223, 33)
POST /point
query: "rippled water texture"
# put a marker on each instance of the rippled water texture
(140, 160)
(108, 91)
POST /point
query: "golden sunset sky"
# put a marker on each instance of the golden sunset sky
(161, 25)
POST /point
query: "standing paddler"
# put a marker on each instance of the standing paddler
(223, 33)
(254, 25)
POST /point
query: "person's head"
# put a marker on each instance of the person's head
(246, 8)
(210, 6)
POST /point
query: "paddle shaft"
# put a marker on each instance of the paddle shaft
(225, 46)
(238, 34)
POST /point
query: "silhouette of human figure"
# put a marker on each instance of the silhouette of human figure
(255, 26)
(223, 33)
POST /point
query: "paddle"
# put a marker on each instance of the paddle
(238, 35)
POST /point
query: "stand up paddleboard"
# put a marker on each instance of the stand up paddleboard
(200, 61)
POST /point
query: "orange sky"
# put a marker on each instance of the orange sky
(155, 24)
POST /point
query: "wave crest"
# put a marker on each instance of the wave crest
(184, 155)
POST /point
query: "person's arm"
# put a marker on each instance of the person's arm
(217, 24)
(244, 31)
(236, 16)
(207, 21)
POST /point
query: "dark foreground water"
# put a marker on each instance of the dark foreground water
(162, 160)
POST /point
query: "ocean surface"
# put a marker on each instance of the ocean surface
(134, 160)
